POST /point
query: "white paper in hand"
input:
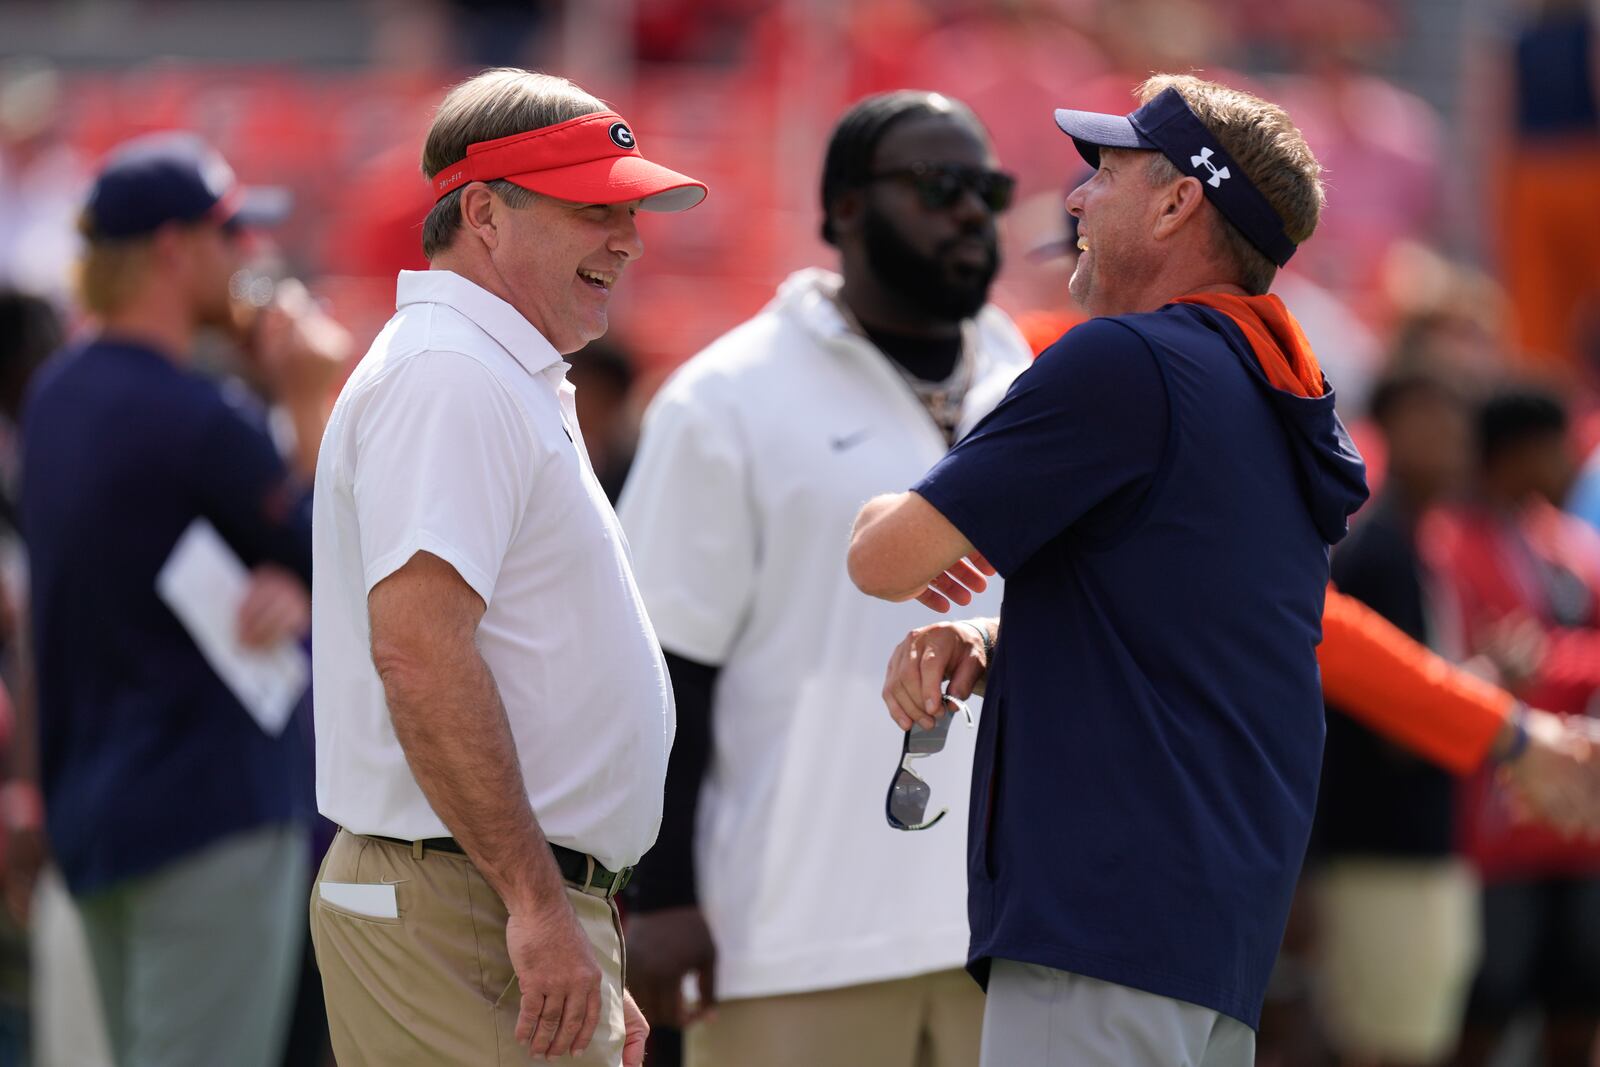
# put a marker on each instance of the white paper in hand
(204, 582)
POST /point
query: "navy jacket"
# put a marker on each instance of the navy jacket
(145, 754)
(1146, 769)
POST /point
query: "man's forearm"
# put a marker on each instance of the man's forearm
(1398, 688)
(899, 544)
(868, 548)
(452, 725)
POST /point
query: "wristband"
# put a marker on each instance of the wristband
(1519, 739)
(21, 806)
(983, 635)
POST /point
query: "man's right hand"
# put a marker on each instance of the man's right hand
(559, 976)
(663, 947)
(276, 608)
(1556, 779)
(298, 352)
(913, 687)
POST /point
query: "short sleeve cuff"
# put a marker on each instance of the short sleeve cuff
(976, 524)
(422, 541)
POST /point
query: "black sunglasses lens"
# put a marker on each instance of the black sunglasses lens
(938, 189)
(941, 188)
(920, 742)
(908, 802)
(907, 805)
(996, 189)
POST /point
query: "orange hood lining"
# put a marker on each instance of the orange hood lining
(1279, 344)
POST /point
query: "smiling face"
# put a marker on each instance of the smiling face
(557, 262)
(1117, 211)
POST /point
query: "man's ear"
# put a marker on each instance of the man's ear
(480, 211)
(1180, 203)
(847, 211)
(168, 243)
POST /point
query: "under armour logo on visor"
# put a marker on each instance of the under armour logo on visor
(621, 135)
(1204, 160)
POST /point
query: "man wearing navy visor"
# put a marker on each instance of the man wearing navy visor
(1160, 490)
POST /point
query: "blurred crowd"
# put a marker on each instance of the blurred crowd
(1452, 293)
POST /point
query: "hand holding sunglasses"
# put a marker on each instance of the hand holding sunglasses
(949, 659)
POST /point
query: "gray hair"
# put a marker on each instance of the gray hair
(496, 103)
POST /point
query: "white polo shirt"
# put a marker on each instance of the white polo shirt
(753, 462)
(456, 434)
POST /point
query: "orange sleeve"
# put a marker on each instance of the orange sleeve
(1393, 685)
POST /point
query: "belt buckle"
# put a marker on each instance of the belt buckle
(597, 880)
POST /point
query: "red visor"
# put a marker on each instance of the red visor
(592, 159)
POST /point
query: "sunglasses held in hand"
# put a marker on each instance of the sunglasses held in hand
(907, 806)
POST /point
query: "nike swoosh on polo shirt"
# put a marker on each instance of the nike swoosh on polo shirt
(848, 441)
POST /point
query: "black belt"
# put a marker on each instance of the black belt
(579, 869)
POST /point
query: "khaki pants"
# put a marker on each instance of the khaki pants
(435, 985)
(1399, 943)
(932, 1020)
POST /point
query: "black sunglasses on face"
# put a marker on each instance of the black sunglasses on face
(907, 805)
(940, 185)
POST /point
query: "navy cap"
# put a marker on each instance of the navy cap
(174, 176)
(1167, 125)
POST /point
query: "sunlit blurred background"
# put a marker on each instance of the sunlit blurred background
(1427, 114)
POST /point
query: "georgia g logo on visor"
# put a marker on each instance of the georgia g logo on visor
(621, 136)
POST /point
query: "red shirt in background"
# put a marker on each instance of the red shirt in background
(1543, 565)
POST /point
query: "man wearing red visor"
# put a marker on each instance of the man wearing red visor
(494, 715)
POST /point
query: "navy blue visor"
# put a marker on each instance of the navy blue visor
(1166, 125)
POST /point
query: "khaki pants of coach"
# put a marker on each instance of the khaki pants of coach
(932, 1020)
(435, 985)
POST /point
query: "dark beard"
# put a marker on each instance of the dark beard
(940, 292)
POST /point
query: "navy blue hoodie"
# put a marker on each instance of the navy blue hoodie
(1147, 762)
